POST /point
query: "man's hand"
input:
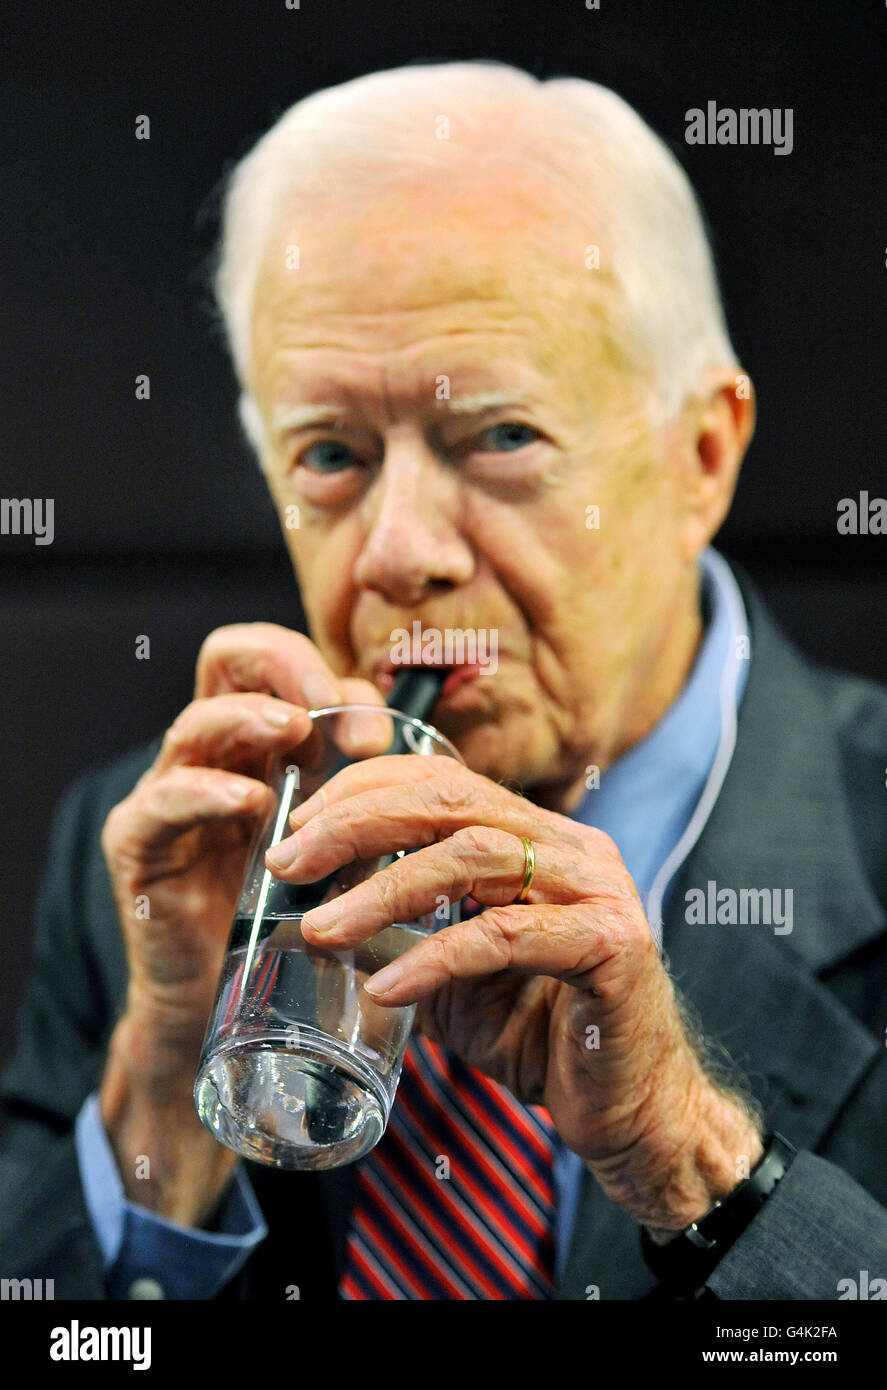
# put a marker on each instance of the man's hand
(176, 849)
(563, 999)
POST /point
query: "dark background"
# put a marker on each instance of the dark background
(162, 523)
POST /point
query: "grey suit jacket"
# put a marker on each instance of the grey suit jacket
(803, 1015)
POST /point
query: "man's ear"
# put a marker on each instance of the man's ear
(721, 422)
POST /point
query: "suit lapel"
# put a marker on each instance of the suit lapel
(781, 821)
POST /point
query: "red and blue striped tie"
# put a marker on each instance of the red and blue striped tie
(457, 1200)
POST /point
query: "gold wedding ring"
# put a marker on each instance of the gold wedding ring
(529, 870)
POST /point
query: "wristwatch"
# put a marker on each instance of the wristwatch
(684, 1263)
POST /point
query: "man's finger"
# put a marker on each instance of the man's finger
(271, 659)
(530, 939)
(232, 731)
(486, 862)
(161, 810)
(396, 816)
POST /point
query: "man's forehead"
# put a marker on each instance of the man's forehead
(376, 281)
(485, 232)
(433, 285)
(464, 277)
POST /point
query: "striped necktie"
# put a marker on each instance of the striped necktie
(456, 1201)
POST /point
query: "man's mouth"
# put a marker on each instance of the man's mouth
(386, 671)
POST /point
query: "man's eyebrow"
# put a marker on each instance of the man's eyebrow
(480, 401)
(300, 417)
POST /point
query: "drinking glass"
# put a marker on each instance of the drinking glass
(299, 1064)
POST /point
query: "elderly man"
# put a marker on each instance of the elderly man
(485, 370)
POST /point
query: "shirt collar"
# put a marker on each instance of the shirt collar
(655, 799)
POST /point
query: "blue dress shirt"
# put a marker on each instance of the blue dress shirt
(653, 801)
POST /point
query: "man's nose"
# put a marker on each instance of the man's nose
(413, 539)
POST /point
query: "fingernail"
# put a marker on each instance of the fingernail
(277, 715)
(238, 791)
(323, 917)
(385, 979)
(320, 690)
(282, 856)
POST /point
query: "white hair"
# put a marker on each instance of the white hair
(383, 124)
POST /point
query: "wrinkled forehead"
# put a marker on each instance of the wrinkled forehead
(477, 246)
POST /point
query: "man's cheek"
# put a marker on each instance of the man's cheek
(329, 596)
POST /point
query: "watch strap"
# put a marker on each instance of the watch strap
(684, 1263)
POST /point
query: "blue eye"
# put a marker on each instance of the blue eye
(328, 456)
(508, 436)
